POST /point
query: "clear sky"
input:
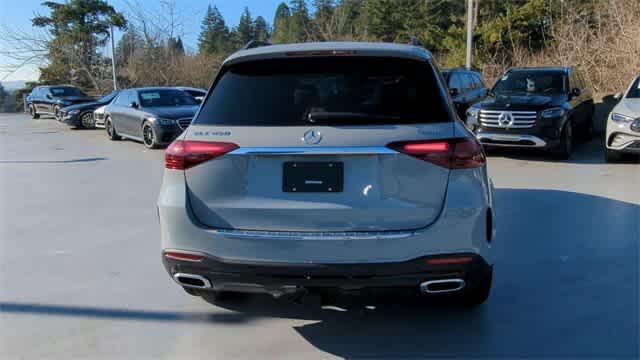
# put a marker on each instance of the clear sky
(17, 14)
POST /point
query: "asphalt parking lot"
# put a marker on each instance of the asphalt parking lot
(82, 278)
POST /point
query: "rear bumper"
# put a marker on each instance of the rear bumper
(466, 224)
(222, 274)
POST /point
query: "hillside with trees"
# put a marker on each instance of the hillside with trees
(599, 36)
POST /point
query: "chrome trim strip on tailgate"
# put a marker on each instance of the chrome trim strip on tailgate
(300, 235)
(316, 150)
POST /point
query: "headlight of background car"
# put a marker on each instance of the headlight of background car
(553, 113)
(472, 115)
(621, 119)
(164, 122)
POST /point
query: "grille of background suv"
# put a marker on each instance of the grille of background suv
(521, 119)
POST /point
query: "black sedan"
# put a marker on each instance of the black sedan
(50, 99)
(81, 115)
(155, 116)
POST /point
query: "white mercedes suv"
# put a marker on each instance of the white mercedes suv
(328, 167)
(623, 124)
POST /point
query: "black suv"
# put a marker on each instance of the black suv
(153, 115)
(50, 99)
(466, 88)
(540, 107)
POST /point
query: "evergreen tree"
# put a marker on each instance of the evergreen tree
(175, 47)
(299, 24)
(214, 33)
(245, 31)
(281, 24)
(261, 29)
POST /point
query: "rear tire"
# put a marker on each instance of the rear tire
(32, 112)
(111, 130)
(612, 156)
(565, 148)
(479, 294)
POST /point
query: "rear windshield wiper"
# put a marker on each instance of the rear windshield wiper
(345, 118)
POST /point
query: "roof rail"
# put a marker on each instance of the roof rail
(255, 44)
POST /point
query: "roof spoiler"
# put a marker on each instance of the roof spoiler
(255, 44)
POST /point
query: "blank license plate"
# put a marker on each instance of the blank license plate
(312, 177)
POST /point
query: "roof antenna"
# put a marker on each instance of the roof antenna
(414, 41)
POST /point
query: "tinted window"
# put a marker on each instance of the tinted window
(66, 91)
(455, 81)
(331, 91)
(165, 97)
(634, 92)
(533, 82)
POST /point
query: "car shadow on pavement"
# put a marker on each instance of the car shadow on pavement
(566, 284)
(70, 161)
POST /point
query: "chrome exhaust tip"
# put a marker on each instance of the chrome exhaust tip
(192, 281)
(442, 286)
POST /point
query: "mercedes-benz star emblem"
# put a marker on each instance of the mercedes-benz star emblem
(312, 137)
(505, 119)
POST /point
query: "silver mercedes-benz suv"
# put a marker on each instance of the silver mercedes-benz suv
(328, 167)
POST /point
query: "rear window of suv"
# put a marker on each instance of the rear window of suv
(326, 91)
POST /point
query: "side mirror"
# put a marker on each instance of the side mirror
(454, 92)
(575, 92)
(49, 96)
(617, 96)
(134, 105)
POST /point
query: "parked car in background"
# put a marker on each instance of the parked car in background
(197, 93)
(466, 88)
(81, 115)
(153, 115)
(328, 167)
(48, 100)
(544, 107)
(623, 124)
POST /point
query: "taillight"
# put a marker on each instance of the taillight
(457, 153)
(183, 154)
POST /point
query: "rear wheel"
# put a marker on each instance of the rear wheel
(111, 130)
(32, 112)
(149, 136)
(565, 148)
(86, 120)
